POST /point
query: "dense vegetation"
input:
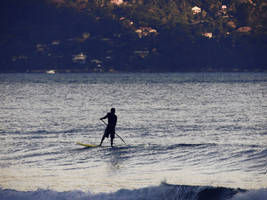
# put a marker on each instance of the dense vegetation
(136, 35)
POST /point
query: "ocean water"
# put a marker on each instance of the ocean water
(188, 136)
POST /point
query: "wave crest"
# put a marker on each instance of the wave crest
(161, 192)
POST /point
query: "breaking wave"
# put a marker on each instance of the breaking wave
(161, 192)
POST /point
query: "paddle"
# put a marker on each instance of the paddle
(115, 133)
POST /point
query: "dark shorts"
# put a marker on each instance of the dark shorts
(109, 131)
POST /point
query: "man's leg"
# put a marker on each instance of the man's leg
(105, 135)
(112, 136)
(102, 140)
(111, 141)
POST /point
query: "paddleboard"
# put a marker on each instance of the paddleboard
(87, 145)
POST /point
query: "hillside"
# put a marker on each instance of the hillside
(133, 36)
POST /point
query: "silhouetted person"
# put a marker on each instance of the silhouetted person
(110, 129)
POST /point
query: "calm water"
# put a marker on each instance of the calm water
(184, 129)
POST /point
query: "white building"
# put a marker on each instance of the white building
(196, 10)
(79, 58)
(207, 35)
(145, 31)
(224, 7)
(117, 2)
(51, 71)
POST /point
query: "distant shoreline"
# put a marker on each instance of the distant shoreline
(118, 72)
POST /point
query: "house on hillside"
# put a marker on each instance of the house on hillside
(244, 29)
(117, 2)
(79, 58)
(224, 7)
(196, 10)
(145, 31)
(207, 35)
(231, 24)
(126, 22)
(51, 71)
(41, 47)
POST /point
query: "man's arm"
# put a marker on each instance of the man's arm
(104, 117)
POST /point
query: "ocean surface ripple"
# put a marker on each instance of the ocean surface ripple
(199, 134)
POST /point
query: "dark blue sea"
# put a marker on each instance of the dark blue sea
(189, 136)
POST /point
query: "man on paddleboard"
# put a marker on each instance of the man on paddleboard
(110, 129)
